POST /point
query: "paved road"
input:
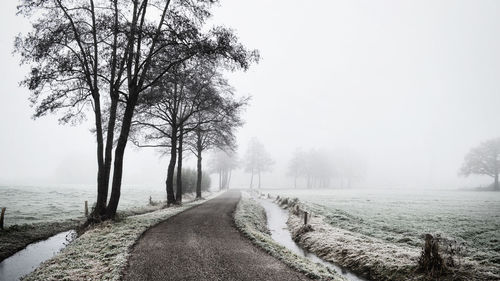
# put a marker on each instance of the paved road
(202, 243)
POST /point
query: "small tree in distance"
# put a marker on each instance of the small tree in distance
(257, 160)
(484, 160)
(296, 166)
(223, 162)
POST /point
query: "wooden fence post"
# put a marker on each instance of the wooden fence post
(1, 217)
(86, 208)
(305, 217)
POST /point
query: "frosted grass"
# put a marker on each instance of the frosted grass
(401, 217)
(33, 204)
(250, 219)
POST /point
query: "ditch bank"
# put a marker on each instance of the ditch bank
(366, 256)
(25, 261)
(17, 237)
(250, 218)
(277, 224)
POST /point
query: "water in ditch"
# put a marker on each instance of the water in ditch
(276, 222)
(25, 261)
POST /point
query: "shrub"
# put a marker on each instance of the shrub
(189, 177)
(439, 255)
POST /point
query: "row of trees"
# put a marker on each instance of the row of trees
(123, 60)
(255, 162)
(223, 163)
(192, 109)
(318, 168)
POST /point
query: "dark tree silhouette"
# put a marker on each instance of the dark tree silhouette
(75, 52)
(217, 133)
(79, 49)
(181, 106)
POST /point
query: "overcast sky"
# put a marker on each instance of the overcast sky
(409, 86)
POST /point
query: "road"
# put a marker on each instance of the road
(203, 243)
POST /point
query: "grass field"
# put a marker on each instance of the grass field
(35, 204)
(403, 217)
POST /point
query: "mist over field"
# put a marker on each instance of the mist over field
(406, 87)
(250, 140)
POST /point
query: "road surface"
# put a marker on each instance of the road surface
(202, 243)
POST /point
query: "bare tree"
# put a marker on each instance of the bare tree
(215, 129)
(157, 48)
(223, 162)
(257, 161)
(296, 166)
(484, 160)
(75, 55)
(78, 48)
(191, 102)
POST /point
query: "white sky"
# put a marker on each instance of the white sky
(408, 85)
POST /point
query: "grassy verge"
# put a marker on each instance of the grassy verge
(371, 257)
(101, 253)
(16, 237)
(250, 218)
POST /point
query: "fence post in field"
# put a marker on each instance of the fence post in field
(305, 217)
(1, 217)
(150, 200)
(86, 208)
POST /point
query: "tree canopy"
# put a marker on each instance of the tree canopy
(484, 160)
(102, 56)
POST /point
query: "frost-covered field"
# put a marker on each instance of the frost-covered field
(32, 204)
(401, 217)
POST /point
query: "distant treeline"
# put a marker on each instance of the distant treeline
(323, 169)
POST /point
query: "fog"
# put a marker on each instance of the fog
(407, 86)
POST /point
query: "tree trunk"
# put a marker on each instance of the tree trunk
(229, 178)
(178, 193)
(102, 192)
(251, 180)
(103, 178)
(103, 181)
(220, 179)
(119, 152)
(171, 167)
(496, 186)
(225, 177)
(199, 176)
(259, 179)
